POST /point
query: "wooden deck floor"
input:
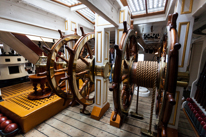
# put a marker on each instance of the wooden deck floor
(70, 122)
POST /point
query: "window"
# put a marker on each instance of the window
(146, 7)
(13, 69)
(69, 3)
(87, 13)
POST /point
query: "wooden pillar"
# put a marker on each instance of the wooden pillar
(102, 41)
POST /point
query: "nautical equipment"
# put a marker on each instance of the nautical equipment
(127, 73)
(10, 128)
(5, 123)
(41, 64)
(2, 119)
(79, 67)
(44, 92)
(12, 65)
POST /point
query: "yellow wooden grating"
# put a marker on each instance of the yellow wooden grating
(28, 113)
(22, 101)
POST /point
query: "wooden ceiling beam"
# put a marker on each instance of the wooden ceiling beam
(124, 2)
(149, 14)
(106, 10)
(165, 5)
(85, 17)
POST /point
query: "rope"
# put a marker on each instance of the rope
(146, 76)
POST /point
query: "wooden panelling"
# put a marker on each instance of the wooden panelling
(99, 47)
(98, 91)
(185, 38)
(184, 2)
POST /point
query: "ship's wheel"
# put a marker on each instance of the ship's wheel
(57, 84)
(148, 74)
(122, 87)
(82, 67)
(79, 67)
(162, 69)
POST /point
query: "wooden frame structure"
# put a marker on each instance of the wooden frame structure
(124, 2)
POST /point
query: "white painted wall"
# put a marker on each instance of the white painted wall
(37, 17)
(59, 10)
(22, 18)
(197, 4)
(195, 60)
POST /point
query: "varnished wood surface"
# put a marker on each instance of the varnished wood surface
(70, 122)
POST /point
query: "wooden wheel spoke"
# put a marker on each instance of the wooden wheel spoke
(60, 33)
(71, 51)
(118, 51)
(60, 70)
(93, 51)
(52, 76)
(124, 77)
(89, 91)
(56, 51)
(61, 83)
(89, 50)
(87, 56)
(84, 85)
(114, 86)
(82, 51)
(83, 72)
(47, 49)
(84, 60)
(62, 58)
(64, 78)
(127, 52)
(125, 64)
(42, 73)
(122, 93)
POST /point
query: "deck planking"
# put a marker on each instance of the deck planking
(70, 122)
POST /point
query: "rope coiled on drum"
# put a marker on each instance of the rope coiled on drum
(146, 76)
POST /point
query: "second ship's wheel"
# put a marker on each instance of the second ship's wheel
(79, 67)
(82, 68)
(121, 86)
(162, 69)
(57, 84)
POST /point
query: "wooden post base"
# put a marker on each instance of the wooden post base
(98, 112)
(117, 122)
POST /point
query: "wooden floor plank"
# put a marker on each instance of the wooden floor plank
(81, 125)
(34, 133)
(50, 131)
(62, 125)
(186, 132)
(104, 124)
(70, 122)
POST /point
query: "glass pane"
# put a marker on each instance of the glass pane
(155, 5)
(137, 6)
(69, 2)
(88, 14)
